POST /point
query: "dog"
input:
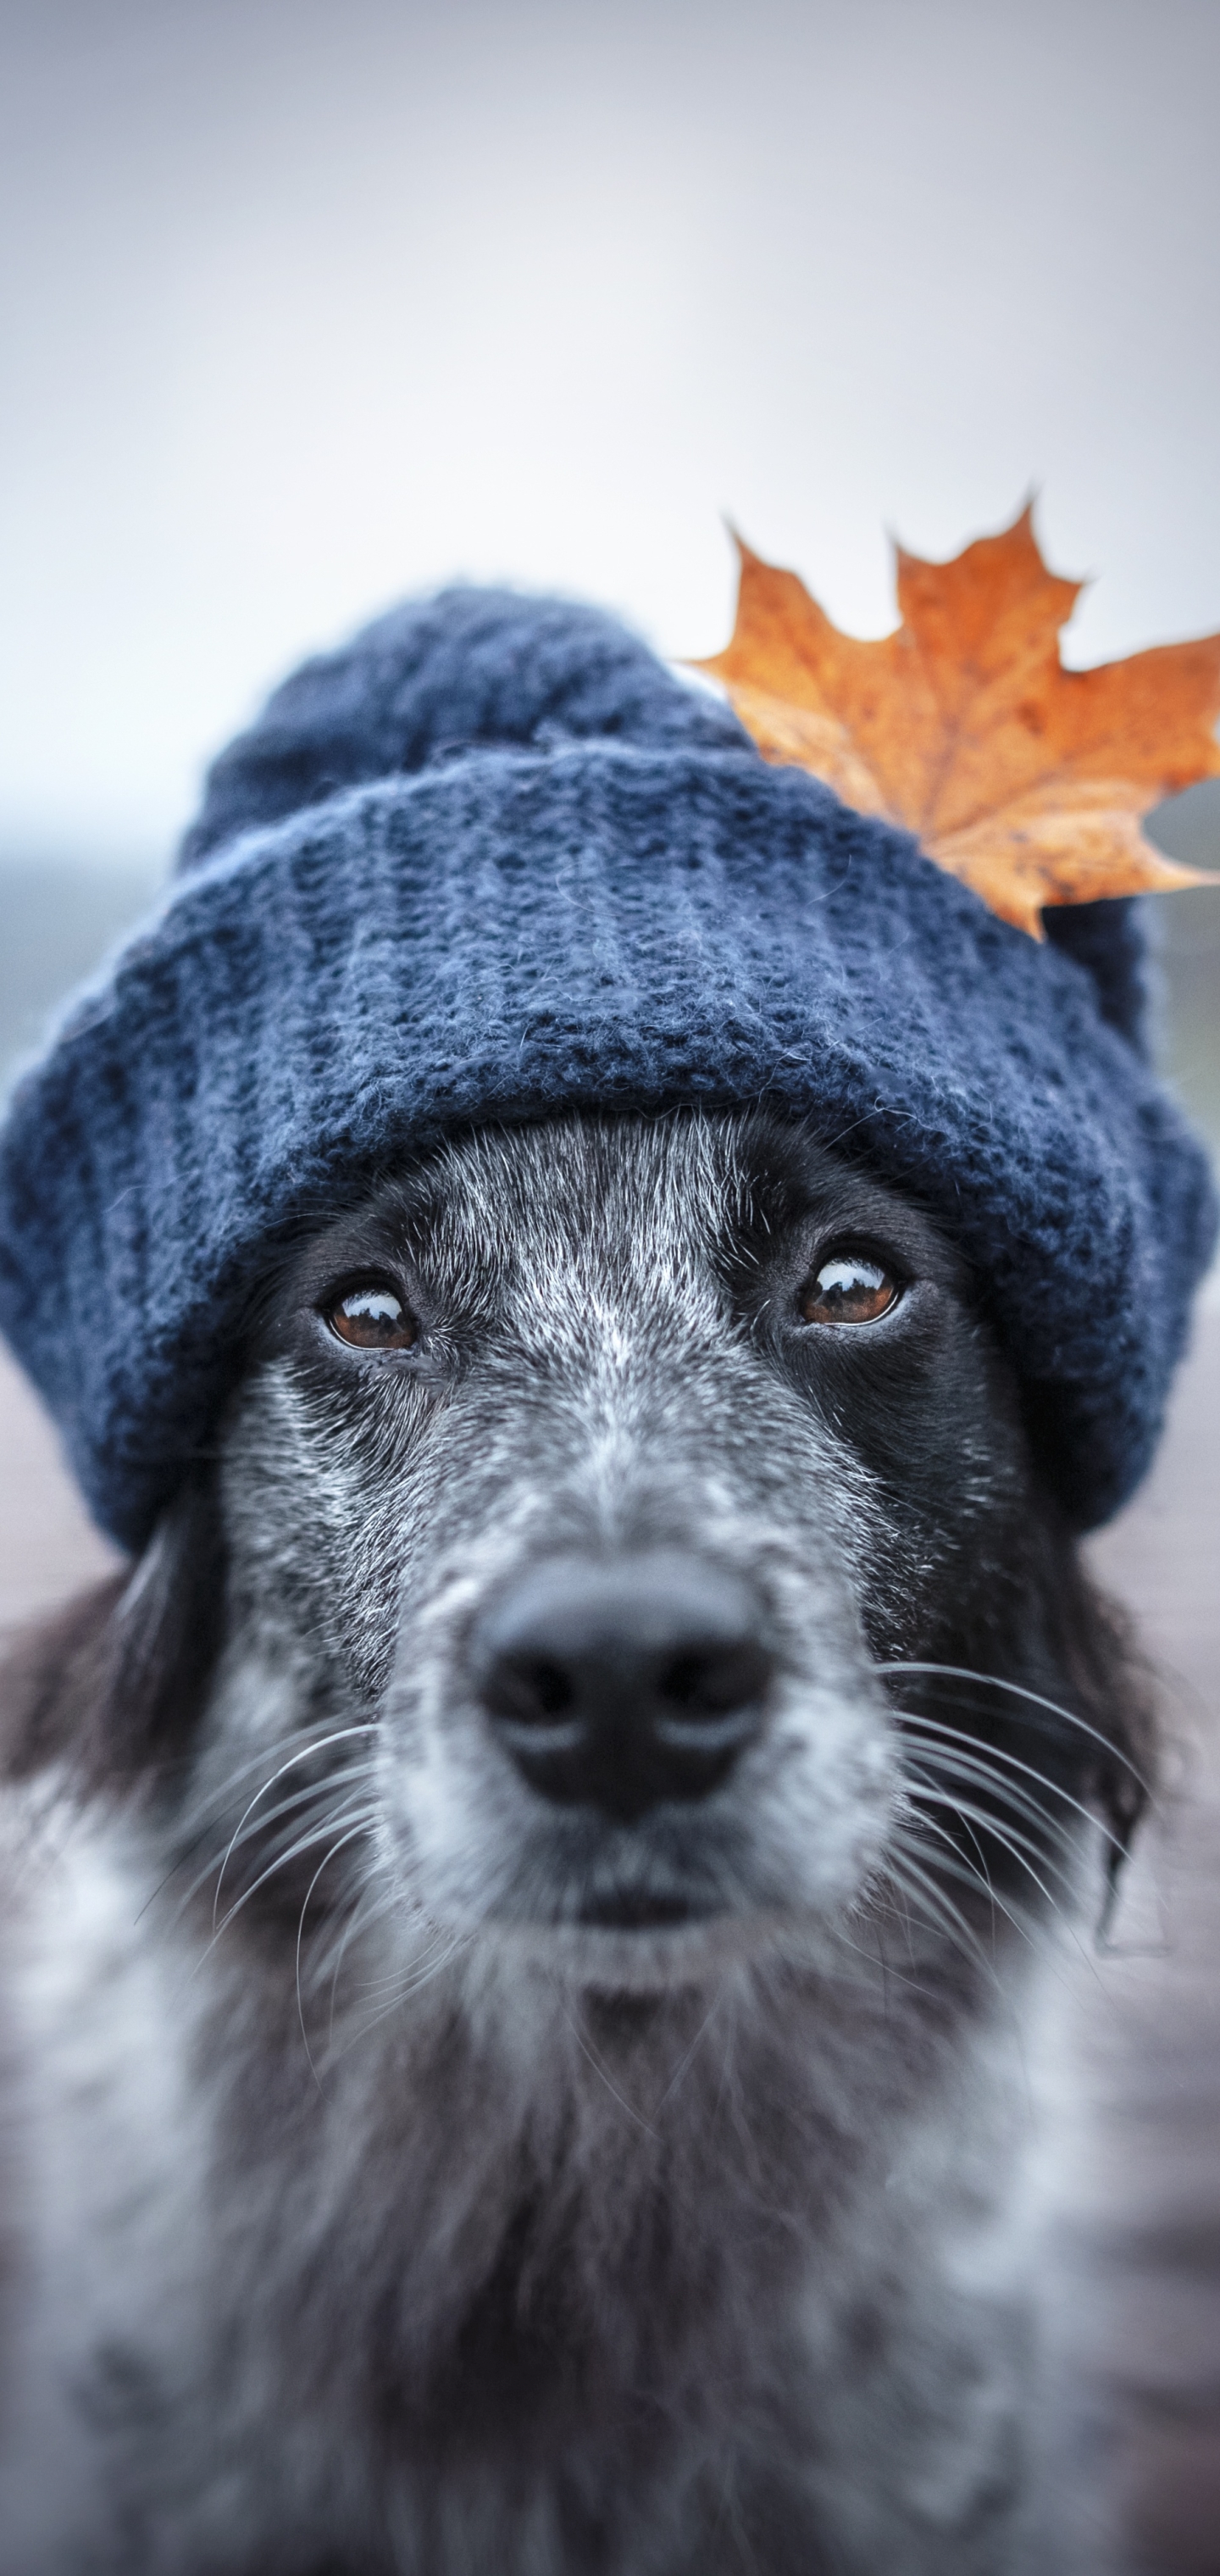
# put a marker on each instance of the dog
(528, 1903)
(526, 1900)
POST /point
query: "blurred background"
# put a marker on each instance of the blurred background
(303, 307)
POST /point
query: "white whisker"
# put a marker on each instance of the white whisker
(1035, 1699)
(366, 1822)
(341, 1736)
(332, 1854)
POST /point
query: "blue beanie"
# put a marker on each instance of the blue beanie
(494, 861)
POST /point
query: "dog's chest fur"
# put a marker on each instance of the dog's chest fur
(587, 2296)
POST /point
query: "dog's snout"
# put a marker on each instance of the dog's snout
(622, 1684)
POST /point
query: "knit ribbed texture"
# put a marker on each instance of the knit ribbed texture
(568, 881)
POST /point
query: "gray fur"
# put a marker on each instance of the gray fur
(373, 2213)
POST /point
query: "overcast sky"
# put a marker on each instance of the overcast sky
(307, 306)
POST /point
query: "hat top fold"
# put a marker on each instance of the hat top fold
(469, 670)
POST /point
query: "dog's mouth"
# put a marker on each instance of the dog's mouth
(635, 1910)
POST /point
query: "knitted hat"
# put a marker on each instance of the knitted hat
(493, 861)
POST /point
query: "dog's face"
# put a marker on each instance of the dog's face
(593, 1469)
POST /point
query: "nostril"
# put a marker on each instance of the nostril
(714, 1681)
(531, 1690)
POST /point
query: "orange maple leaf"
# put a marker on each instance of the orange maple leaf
(1025, 780)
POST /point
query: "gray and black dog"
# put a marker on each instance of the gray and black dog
(527, 1905)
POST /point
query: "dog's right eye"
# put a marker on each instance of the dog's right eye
(849, 1288)
(373, 1318)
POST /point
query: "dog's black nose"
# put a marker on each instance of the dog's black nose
(622, 1683)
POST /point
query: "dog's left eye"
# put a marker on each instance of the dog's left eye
(373, 1318)
(848, 1289)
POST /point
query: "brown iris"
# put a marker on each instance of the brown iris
(849, 1288)
(373, 1318)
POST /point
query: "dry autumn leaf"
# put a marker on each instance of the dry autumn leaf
(1025, 780)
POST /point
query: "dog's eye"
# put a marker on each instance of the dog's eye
(373, 1318)
(848, 1289)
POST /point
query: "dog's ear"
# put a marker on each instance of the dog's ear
(111, 1686)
